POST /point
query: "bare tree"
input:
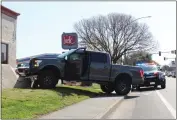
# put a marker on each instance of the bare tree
(115, 34)
(165, 67)
(131, 59)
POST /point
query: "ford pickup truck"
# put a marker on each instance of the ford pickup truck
(83, 65)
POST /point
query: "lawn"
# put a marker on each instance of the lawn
(31, 103)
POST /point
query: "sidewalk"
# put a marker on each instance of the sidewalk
(93, 108)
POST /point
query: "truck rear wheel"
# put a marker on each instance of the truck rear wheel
(163, 86)
(107, 88)
(138, 88)
(123, 85)
(47, 79)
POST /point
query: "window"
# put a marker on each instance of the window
(98, 57)
(75, 57)
(4, 53)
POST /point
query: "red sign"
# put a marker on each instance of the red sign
(69, 40)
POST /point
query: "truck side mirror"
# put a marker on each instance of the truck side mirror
(66, 58)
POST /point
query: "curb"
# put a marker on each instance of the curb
(109, 109)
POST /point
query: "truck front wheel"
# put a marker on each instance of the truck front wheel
(107, 88)
(47, 79)
(123, 85)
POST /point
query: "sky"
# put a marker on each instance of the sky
(40, 24)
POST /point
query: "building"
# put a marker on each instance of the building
(8, 46)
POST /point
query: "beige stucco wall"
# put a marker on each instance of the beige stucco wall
(8, 36)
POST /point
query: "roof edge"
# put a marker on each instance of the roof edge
(5, 9)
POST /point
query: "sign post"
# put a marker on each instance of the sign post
(69, 41)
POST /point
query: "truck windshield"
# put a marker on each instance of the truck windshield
(66, 53)
(24, 64)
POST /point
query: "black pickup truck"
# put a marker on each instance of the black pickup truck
(83, 65)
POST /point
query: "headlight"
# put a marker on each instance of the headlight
(37, 62)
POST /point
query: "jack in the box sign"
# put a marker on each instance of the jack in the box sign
(69, 41)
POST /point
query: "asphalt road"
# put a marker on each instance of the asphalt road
(148, 104)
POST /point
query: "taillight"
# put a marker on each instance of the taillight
(142, 73)
(156, 74)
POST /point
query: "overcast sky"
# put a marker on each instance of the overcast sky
(41, 24)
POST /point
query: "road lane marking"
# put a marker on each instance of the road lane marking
(169, 107)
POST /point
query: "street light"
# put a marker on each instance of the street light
(142, 18)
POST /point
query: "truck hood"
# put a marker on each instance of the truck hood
(48, 60)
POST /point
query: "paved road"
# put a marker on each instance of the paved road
(148, 104)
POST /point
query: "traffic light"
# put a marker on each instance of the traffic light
(164, 58)
(159, 53)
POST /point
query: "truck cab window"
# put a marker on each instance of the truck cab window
(98, 57)
(75, 56)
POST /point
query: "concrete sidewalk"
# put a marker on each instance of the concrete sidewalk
(93, 108)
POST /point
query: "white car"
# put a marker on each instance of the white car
(169, 73)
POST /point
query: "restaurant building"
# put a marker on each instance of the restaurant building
(8, 46)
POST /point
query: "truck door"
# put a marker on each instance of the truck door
(73, 67)
(99, 67)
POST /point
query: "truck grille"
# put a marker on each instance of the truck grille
(21, 70)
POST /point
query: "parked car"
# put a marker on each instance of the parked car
(174, 74)
(166, 73)
(82, 65)
(152, 76)
(169, 73)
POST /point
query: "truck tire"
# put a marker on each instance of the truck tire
(163, 86)
(155, 86)
(138, 88)
(107, 88)
(123, 85)
(47, 79)
(133, 87)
